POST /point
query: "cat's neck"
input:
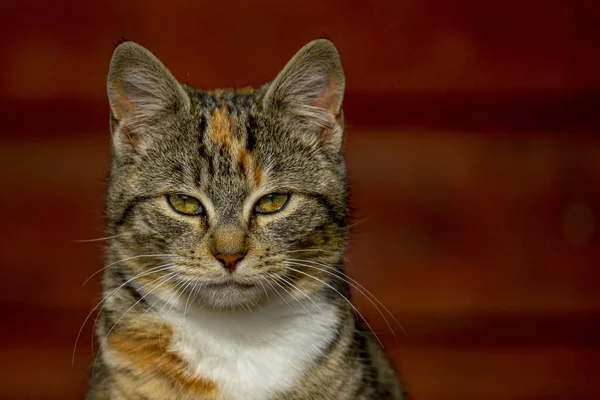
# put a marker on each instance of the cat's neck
(255, 352)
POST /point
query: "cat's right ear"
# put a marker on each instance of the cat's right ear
(140, 91)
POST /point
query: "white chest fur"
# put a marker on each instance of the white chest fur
(252, 355)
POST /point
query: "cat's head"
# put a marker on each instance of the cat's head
(230, 197)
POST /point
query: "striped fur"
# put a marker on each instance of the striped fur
(176, 324)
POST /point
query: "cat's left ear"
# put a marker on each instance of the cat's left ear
(309, 92)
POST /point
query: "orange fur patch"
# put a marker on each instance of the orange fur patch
(145, 346)
(220, 131)
(258, 176)
(246, 160)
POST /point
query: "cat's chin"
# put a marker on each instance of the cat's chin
(231, 296)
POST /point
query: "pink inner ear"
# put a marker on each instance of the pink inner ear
(121, 103)
(122, 108)
(330, 99)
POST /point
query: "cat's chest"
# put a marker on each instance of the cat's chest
(253, 355)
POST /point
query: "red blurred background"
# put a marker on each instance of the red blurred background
(473, 155)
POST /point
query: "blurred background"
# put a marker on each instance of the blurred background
(473, 156)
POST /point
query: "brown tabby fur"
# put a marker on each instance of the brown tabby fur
(227, 148)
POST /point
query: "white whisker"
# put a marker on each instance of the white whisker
(168, 277)
(344, 297)
(276, 291)
(356, 285)
(294, 286)
(142, 274)
(176, 291)
(289, 282)
(126, 259)
(280, 278)
(194, 288)
(265, 290)
(97, 239)
(156, 269)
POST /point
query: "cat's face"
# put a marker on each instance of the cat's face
(227, 198)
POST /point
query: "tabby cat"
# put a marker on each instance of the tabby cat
(228, 220)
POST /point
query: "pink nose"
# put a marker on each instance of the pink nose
(230, 260)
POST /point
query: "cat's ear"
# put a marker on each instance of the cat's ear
(310, 89)
(141, 90)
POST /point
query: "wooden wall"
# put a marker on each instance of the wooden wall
(473, 155)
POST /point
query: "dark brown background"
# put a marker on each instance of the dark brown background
(473, 153)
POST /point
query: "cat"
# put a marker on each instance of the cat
(228, 216)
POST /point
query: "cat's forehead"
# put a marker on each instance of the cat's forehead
(230, 149)
(224, 157)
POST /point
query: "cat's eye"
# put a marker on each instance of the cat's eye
(184, 204)
(271, 203)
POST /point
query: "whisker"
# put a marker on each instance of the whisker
(176, 291)
(357, 223)
(197, 292)
(303, 250)
(265, 290)
(294, 286)
(344, 280)
(356, 285)
(344, 297)
(168, 277)
(279, 278)
(158, 300)
(156, 269)
(123, 260)
(334, 253)
(151, 306)
(96, 240)
(309, 298)
(276, 291)
(194, 288)
(142, 274)
(347, 262)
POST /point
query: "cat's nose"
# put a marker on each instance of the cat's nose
(230, 260)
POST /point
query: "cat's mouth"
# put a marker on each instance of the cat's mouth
(230, 284)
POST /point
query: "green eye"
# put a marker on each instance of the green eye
(185, 204)
(271, 203)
